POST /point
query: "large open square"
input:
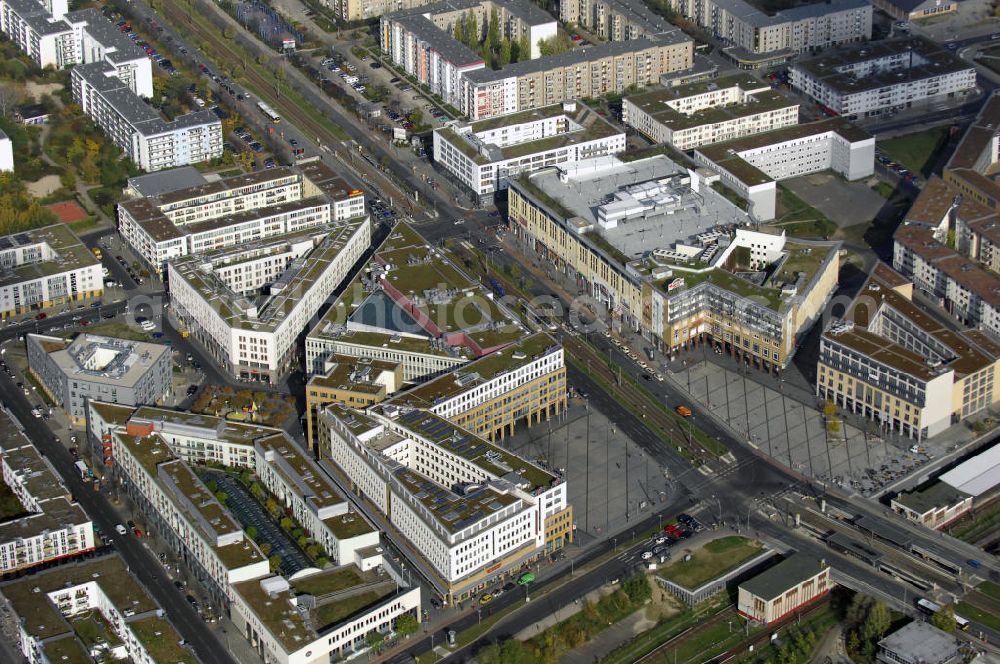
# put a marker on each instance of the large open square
(613, 483)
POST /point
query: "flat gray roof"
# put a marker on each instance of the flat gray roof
(920, 642)
(161, 182)
(582, 194)
(760, 19)
(787, 574)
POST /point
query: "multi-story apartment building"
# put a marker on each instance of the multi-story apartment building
(356, 382)
(102, 368)
(680, 287)
(923, 252)
(796, 581)
(614, 20)
(524, 381)
(412, 306)
(93, 610)
(889, 361)
(46, 267)
(301, 488)
(53, 37)
(474, 512)
(707, 112)
(752, 165)
(486, 155)
(421, 42)
(194, 525)
(323, 616)
(6, 153)
(52, 525)
(757, 38)
(256, 339)
(976, 155)
(874, 79)
(304, 619)
(137, 128)
(588, 71)
(236, 210)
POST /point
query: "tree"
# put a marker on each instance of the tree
(271, 505)
(265, 548)
(221, 496)
(8, 97)
(877, 623)
(506, 53)
(554, 45)
(286, 523)
(523, 49)
(374, 639)
(945, 618)
(252, 532)
(493, 31)
(509, 651)
(274, 562)
(406, 624)
(459, 31)
(471, 30)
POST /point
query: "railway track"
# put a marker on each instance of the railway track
(220, 50)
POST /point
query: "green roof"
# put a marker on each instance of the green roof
(655, 103)
(161, 641)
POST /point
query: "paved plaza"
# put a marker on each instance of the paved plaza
(793, 432)
(612, 482)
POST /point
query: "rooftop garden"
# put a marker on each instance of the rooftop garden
(712, 560)
(257, 407)
(769, 297)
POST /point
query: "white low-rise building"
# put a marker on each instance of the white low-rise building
(474, 512)
(708, 111)
(753, 165)
(137, 128)
(485, 155)
(6, 152)
(256, 340)
(46, 267)
(94, 610)
(53, 526)
(882, 77)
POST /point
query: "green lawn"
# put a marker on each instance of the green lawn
(916, 151)
(974, 529)
(973, 613)
(117, 329)
(799, 218)
(989, 589)
(84, 225)
(711, 561)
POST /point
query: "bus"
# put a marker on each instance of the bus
(269, 112)
(930, 608)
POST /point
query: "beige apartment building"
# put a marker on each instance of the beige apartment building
(356, 382)
(614, 20)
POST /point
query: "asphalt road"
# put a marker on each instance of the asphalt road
(141, 562)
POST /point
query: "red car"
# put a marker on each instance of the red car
(137, 531)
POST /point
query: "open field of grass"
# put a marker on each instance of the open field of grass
(978, 615)
(917, 151)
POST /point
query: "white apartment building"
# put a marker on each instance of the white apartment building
(54, 37)
(293, 478)
(885, 76)
(98, 600)
(53, 526)
(257, 340)
(407, 464)
(236, 210)
(45, 39)
(196, 527)
(484, 155)
(46, 267)
(419, 356)
(752, 165)
(286, 620)
(137, 128)
(708, 112)
(6, 153)
(756, 38)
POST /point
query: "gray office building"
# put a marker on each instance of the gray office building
(132, 373)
